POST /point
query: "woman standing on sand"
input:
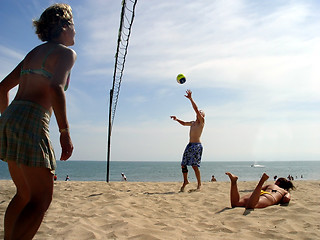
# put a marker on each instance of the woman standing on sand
(261, 197)
(42, 76)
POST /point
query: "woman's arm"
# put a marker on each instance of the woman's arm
(286, 198)
(7, 84)
(62, 69)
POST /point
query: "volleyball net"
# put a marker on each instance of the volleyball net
(126, 21)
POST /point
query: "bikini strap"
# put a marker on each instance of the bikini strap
(47, 55)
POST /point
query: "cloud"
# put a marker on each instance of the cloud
(89, 140)
(227, 41)
(99, 21)
(252, 66)
(7, 52)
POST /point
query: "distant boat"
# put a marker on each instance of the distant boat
(257, 166)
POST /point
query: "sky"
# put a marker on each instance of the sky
(252, 67)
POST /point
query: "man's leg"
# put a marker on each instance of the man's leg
(255, 196)
(234, 192)
(40, 185)
(185, 177)
(18, 202)
(197, 173)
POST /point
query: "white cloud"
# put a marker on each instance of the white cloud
(6, 53)
(263, 55)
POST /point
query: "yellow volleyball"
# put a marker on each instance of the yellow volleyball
(181, 79)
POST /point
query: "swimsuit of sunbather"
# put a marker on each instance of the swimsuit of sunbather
(42, 71)
(273, 191)
(276, 191)
(264, 192)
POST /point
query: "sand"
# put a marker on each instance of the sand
(156, 210)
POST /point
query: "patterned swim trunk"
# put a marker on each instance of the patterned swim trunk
(192, 155)
(24, 135)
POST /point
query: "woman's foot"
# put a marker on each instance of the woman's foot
(233, 178)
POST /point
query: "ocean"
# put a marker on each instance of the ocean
(171, 171)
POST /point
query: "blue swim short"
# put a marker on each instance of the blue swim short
(192, 155)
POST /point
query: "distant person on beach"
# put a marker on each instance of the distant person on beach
(42, 77)
(262, 196)
(124, 177)
(193, 152)
(67, 178)
(55, 178)
(213, 179)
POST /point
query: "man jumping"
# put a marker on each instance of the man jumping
(192, 153)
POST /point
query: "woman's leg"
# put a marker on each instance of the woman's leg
(40, 185)
(234, 192)
(18, 202)
(255, 196)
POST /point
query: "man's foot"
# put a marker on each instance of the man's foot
(233, 178)
(183, 186)
(194, 190)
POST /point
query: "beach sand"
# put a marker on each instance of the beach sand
(156, 210)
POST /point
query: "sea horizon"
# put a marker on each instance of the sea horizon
(170, 171)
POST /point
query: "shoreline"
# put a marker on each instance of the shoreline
(156, 210)
(171, 171)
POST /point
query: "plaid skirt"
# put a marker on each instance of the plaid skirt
(24, 135)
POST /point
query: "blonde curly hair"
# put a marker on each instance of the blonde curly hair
(49, 25)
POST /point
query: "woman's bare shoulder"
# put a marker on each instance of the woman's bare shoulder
(66, 51)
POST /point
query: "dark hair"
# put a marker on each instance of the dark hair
(49, 25)
(285, 184)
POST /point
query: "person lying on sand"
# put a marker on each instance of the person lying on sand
(262, 196)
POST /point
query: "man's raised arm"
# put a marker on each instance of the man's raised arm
(194, 105)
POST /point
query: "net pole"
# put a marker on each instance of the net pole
(109, 136)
